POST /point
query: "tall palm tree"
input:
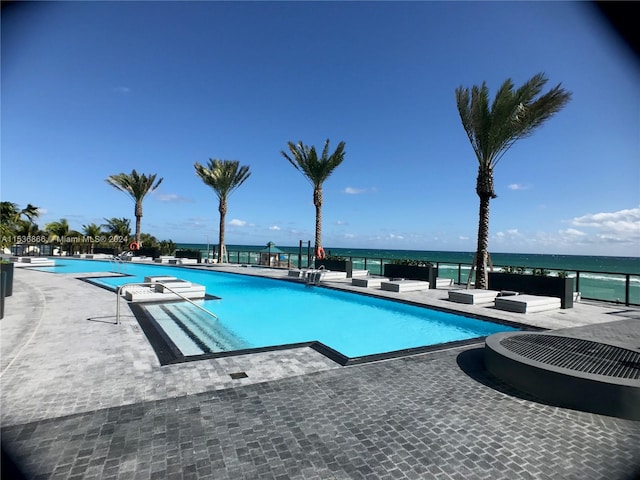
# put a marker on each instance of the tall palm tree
(136, 186)
(316, 170)
(514, 114)
(223, 176)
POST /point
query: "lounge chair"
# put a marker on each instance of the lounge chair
(444, 282)
(473, 296)
(367, 281)
(404, 285)
(527, 303)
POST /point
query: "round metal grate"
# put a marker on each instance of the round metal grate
(576, 354)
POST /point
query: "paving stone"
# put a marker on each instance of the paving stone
(89, 400)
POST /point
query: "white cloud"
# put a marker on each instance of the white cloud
(238, 223)
(462, 237)
(620, 228)
(122, 90)
(342, 222)
(171, 197)
(621, 223)
(359, 191)
(517, 186)
(604, 233)
(274, 228)
(572, 232)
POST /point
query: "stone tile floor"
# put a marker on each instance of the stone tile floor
(83, 398)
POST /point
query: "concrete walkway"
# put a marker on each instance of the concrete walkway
(85, 398)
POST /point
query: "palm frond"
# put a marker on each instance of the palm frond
(136, 185)
(305, 159)
(514, 114)
(223, 176)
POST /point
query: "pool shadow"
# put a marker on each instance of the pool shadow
(109, 319)
(471, 362)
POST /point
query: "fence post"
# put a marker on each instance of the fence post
(627, 290)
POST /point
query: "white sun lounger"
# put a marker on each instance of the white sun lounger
(367, 282)
(444, 282)
(404, 285)
(473, 296)
(527, 303)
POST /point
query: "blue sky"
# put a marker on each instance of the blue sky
(91, 89)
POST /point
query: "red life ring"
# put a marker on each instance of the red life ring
(133, 246)
(320, 253)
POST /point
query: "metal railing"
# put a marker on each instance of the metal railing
(626, 290)
(148, 284)
(117, 263)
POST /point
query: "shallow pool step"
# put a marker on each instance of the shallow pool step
(33, 262)
(161, 292)
(182, 321)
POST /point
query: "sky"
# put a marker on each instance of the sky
(92, 89)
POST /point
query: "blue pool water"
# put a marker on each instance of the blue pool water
(259, 312)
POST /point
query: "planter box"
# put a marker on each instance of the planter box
(147, 252)
(3, 277)
(7, 278)
(105, 250)
(337, 266)
(562, 288)
(193, 254)
(412, 272)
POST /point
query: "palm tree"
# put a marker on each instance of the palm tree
(316, 170)
(514, 114)
(94, 232)
(58, 231)
(12, 223)
(119, 228)
(11, 215)
(136, 186)
(167, 247)
(223, 176)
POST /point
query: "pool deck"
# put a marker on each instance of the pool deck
(85, 398)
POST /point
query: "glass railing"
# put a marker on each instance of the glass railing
(622, 288)
(615, 287)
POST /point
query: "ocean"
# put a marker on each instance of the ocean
(598, 279)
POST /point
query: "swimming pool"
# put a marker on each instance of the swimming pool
(257, 312)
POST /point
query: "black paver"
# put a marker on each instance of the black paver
(431, 416)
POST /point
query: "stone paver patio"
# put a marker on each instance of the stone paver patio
(84, 398)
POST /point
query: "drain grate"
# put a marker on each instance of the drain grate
(238, 375)
(576, 354)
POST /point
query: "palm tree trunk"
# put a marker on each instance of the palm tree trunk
(222, 208)
(484, 189)
(138, 214)
(483, 243)
(317, 201)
